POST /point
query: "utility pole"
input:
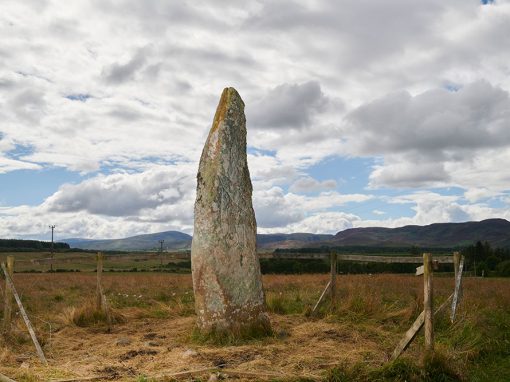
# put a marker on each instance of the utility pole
(161, 252)
(52, 254)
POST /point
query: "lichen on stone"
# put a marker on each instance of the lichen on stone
(226, 272)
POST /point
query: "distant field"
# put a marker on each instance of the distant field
(352, 343)
(86, 262)
(178, 262)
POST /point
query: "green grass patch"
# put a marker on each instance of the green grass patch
(434, 369)
(238, 336)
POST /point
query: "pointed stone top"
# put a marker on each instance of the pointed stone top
(230, 95)
(230, 99)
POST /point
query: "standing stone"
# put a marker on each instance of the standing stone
(229, 298)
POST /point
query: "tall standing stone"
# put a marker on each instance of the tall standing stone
(227, 282)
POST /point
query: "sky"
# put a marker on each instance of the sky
(359, 113)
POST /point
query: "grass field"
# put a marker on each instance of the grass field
(156, 320)
(127, 261)
(86, 261)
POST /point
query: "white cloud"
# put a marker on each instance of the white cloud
(309, 184)
(288, 106)
(475, 194)
(431, 207)
(7, 164)
(324, 222)
(277, 211)
(129, 86)
(126, 194)
(436, 122)
(116, 205)
(435, 139)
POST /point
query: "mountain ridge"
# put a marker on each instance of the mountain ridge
(495, 231)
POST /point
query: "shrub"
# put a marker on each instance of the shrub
(503, 268)
(87, 315)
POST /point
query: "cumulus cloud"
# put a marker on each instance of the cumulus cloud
(433, 123)
(309, 184)
(276, 209)
(423, 138)
(288, 106)
(124, 194)
(272, 209)
(117, 205)
(431, 207)
(324, 222)
(32, 222)
(406, 173)
(425, 96)
(475, 194)
(7, 164)
(118, 73)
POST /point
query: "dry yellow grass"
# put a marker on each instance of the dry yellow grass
(372, 313)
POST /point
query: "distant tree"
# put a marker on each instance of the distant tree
(483, 269)
(503, 268)
(415, 250)
(476, 254)
(492, 262)
(487, 251)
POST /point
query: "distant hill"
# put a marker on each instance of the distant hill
(175, 240)
(495, 231)
(445, 235)
(290, 240)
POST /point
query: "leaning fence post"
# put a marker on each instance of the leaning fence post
(456, 263)
(99, 272)
(24, 315)
(457, 269)
(428, 304)
(333, 279)
(101, 303)
(4, 378)
(457, 294)
(8, 296)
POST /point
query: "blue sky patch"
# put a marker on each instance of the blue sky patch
(21, 151)
(351, 174)
(78, 97)
(33, 187)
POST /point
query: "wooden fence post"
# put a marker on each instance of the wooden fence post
(428, 303)
(321, 297)
(101, 303)
(99, 273)
(457, 294)
(4, 378)
(456, 263)
(413, 330)
(8, 296)
(333, 279)
(38, 348)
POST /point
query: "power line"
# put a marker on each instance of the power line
(52, 254)
(161, 251)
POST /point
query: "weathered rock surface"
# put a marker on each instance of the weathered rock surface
(226, 272)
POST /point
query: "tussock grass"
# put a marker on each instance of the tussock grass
(87, 315)
(288, 303)
(433, 369)
(239, 336)
(371, 314)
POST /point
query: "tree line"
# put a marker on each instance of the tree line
(16, 245)
(301, 266)
(483, 260)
